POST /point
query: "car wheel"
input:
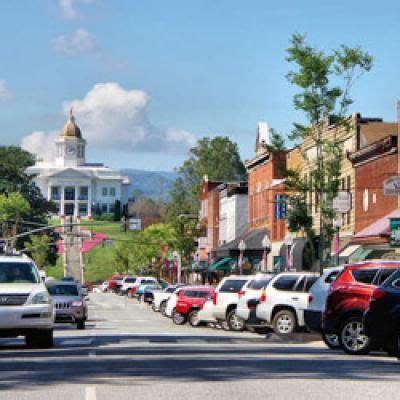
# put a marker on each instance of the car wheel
(235, 323)
(352, 338)
(194, 319)
(284, 322)
(163, 307)
(42, 339)
(331, 340)
(81, 324)
(178, 318)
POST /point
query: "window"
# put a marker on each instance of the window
(83, 193)
(203, 294)
(112, 192)
(300, 285)
(130, 280)
(364, 275)
(104, 208)
(190, 293)
(144, 281)
(258, 284)
(63, 290)
(396, 283)
(232, 286)
(16, 272)
(111, 208)
(310, 280)
(332, 277)
(82, 209)
(286, 282)
(69, 193)
(104, 192)
(383, 275)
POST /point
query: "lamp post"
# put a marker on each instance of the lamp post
(266, 244)
(337, 223)
(178, 260)
(242, 249)
(289, 239)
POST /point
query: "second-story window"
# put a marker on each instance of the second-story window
(112, 192)
(104, 192)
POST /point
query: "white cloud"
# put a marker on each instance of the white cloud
(114, 118)
(69, 10)
(41, 144)
(79, 42)
(5, 92)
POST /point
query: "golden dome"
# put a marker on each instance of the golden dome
(71, 129)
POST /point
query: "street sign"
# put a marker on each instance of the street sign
(391, 186)
(395, 232)
(342, 202)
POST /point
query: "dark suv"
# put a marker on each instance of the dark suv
(382, 318)
(348, 299)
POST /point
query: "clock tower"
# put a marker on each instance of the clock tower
(71, 146)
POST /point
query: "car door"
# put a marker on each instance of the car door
(300, 295)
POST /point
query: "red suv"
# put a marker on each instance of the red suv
(114, 281)
(190, 300)
(348, 299)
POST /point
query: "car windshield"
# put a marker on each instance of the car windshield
(258, 284)
(130, 280)
(15, 272)
(63, 290)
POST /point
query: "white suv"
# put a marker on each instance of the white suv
(225, 301)
(26, 308)
(283, 302)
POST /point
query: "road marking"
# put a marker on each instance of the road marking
(90, 393)
(77, 342)
(92, 354)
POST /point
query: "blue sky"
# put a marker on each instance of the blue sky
(187, 69)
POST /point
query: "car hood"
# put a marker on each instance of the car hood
(20, 288)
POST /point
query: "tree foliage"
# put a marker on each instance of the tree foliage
(38, 249)
(324, 81)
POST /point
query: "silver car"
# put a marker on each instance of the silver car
(69, 303)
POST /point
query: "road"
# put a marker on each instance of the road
(129, 352)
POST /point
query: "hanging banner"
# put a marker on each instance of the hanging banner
(342, 202)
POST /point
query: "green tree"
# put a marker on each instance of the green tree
(38, 249)
(324, 81)
(122, 255)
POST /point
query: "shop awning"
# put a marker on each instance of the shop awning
(223, 265)
(379, 228)
(349, 250)
(360, 254)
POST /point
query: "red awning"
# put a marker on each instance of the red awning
(379, 228)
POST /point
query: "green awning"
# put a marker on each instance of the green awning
(360, 254)
(223, 265)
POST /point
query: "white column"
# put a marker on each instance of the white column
(48, 191)
(89, 208)
(62, 210)
(76, 203)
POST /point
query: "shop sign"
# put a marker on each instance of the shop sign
(342, 202)
(391, 186)
(395, 232)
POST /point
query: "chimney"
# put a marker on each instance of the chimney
(262, 137)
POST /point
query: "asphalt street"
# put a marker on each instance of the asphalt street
(130, 352)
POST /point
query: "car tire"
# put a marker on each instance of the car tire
(42, 339)
(81, 324)
(284, 323)
(163, 307)
(234, 322)
(331, 340)
(194, 320)
(178, 318)
(352, 338)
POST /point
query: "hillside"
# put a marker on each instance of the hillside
(153, 184)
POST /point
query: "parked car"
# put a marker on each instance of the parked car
(141, 289)
(148, 294)
(126, 283)
(382, 318)
(317, 303)
(160, 298)
(189, 301)
(114, 281)
(282, 303)
(225, 299)
(26, 308)
(248, 296)
(348, 299)
(104, 286)
(170, 304)
(140, 280)
(69, 303)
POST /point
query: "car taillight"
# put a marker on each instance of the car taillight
(310, 299)
(263, 297)
(215, 297)
(242, 293)
(378, 294)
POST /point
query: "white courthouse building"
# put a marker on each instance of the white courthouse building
(76, 187)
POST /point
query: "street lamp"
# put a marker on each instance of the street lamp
(266, 244)
(337, 223)
(242, 249)
(289, 240)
